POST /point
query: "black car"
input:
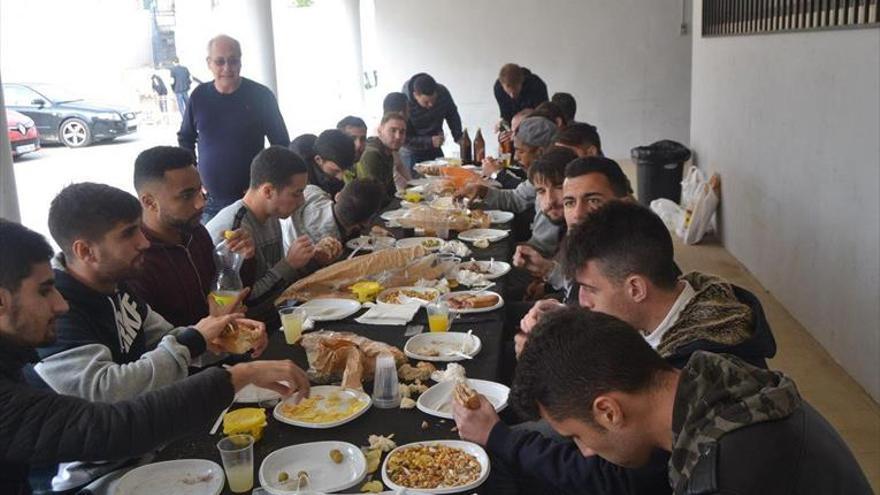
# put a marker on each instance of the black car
(62, 117)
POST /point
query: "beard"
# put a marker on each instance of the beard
(186, 226)
(27, 331)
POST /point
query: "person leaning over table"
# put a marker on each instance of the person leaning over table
(41, 426)
(278, 178)
(179, 266)
(726, 426)
(621, 259)
(430, 104)
(518, 88)
(377, 162)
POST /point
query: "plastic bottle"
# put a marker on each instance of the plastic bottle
(227, 282)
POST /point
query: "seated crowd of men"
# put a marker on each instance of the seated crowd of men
(640, 379)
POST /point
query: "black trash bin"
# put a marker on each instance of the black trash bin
(660, 168)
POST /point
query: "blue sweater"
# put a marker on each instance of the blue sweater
(230, 130)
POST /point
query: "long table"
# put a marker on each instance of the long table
(406, 425)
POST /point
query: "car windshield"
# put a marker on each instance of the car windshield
(58, 94)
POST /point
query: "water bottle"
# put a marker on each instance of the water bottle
(227, 282)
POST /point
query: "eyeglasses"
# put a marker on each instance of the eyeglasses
(221, 61)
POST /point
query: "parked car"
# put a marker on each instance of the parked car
(63, 117)
(23, 134)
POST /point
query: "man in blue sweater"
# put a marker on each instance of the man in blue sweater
(229, 118)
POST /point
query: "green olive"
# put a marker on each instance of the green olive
(336, 456)
(283, 476)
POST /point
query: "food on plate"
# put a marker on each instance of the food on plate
(345, 355)
(283, 476)
(374, 456)
(320, 409)
(432, 466)
(365, 290)
(429, 169)
(327, 249)
(374, 486)
(336, 456)
(238, 337)
(412, 389)
(472, 301)
(476, 267)
(465, 395)
(453, 371)
(393, 296)
(421, 371)
(246, 420)
(481, 243)
(471, 278)
(455, 247)
(302, 480)
(381, 442)
(407, 403)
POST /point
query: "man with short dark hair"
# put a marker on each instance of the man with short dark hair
(430, 104)
(229, 119)
(180, 84)
(179, 266)
(398, 103)
(581, 138)
(356, 129)
(727, 426)
(551, 112)
(40, 426)
(377, 163)
(518, 88)
(566, 103)
(331, 159)
(278, 178)
(341, 216)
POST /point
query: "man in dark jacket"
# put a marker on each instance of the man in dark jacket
(516, 89)
(39, 426)
(729, 427)
(430, 104)
(180, 84)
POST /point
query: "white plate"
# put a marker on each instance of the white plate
(470, 448)
(443, 342)
(490, 235)
(374, 243)
(474, 310)
(499, 216)
(392, 214)
(252, 394)
(314, 458)
(437, 400)
(427, 291)
(498, 268)
(330, 309)
(419, 182)
(325, 391)
(415, 241)
(183, 477)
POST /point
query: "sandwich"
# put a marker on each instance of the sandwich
(238, 337)
(472, 301)
(327, 249)
(465, 395)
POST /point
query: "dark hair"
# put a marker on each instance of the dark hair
(336, 146)
(550, 166)
(424, 84)
(395, 102)
(20, 250)
(601, 165)
(549, 111)
(566, 103)
(304, 146)
(625, 239)
(151, 164)
(351, 121)
(275, 165)
(88, 211)
(575, 355)
(359, 200)
(580, 134)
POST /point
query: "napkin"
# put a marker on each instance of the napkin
(389, 314)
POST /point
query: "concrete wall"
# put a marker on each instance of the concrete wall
(625, 61)
(791, 122)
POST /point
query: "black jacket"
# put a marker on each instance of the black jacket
(561, 465)
(39, 426)
(427, 122)
(533, 93)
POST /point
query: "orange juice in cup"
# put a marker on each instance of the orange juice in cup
(438, 317)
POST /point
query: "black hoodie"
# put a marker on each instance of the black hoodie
(427, 122)
(532, 94)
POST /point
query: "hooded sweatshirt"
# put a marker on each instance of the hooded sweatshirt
(741, 429)
(532, 94)
(428, 122)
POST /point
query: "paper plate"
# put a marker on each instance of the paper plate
(183, 477)
(474, 310)
(490, 269)
(435, 243)
(491, 235)
(330, 309)
(468, 447)
(373, 243)
(437, 400)
(426, 293)
(436, 346)
(391, 215)
(328, 404)
(314, 458)
(252, 394)
(499, 216)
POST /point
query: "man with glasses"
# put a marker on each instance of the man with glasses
(229, 119)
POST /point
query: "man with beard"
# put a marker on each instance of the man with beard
(179, 265)
(377, 162)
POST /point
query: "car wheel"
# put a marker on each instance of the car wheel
(75, 133)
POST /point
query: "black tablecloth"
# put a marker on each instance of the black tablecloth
(405, 424)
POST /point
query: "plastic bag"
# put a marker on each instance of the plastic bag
(699, 200)
(671, 214)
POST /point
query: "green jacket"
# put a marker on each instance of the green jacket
(377, 163)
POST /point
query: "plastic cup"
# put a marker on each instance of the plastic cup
(438, 317)
(292, 320)
(386, 389)
(237, 454)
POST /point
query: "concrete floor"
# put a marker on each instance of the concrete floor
(819, 378)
